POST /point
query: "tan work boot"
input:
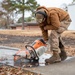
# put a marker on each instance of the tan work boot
(54, 59)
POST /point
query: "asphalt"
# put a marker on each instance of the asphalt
(66, 67)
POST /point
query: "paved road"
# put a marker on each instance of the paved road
(64, 68)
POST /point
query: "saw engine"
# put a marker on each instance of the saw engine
(29, 57)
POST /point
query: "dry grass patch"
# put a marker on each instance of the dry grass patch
(21, 32)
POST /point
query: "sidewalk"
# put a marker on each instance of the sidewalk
(64, 68)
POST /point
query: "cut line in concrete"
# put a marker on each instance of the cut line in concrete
(9, 48)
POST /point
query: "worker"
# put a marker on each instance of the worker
(58, 21)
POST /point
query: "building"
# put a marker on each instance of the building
(71, 11)
(27, 25)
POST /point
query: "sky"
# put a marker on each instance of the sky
(53, 3)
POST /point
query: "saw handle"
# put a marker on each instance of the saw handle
(32, 52)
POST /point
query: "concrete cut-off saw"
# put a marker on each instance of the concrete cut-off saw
(28, 57)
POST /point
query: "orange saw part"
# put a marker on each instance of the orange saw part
(38, 43)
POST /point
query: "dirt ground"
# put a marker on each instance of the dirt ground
(20, 38)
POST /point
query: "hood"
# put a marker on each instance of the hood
(42, 8)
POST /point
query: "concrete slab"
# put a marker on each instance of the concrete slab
(66, 67)
(6, 54)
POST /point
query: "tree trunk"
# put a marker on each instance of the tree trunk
(7, 22)
(23, 18)
(23, 21)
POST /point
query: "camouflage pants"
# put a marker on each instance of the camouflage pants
(55, 36)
